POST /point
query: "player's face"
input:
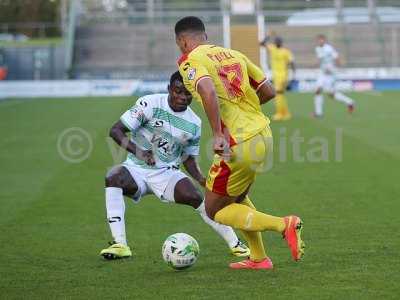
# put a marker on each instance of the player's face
(179, 96)
(278, 42)
(180, 41)
(320, 41)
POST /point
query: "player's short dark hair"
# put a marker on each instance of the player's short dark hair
(175, 77)
(321, 36)
(189, 24)
(278, 40)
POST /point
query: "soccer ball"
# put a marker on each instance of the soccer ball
(180, 251)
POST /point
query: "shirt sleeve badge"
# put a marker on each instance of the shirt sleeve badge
(191, 73)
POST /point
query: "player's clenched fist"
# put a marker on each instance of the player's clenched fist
(146, 155)
(221, 146)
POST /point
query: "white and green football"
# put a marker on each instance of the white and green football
(180, 251)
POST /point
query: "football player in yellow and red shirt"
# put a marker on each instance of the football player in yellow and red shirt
(232, 90)
(281, 59)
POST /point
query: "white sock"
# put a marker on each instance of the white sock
(115, 206)
(318, 104)
(343, 98)
(224, 231)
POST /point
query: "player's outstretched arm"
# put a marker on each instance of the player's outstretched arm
(206, 89)
(118, 134)
(266, 92)
(268, 37)
(193, 168)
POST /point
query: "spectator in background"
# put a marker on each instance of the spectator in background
(3, 66)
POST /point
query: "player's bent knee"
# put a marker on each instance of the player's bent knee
(215, 202)
(113, 180)
(120, 177)
(195, 199)
(186, 193)
(210, 211)
(190, 197)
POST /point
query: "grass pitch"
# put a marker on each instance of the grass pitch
(32, 42)
(53, 225)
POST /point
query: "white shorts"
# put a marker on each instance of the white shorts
(160, 182)
(326, 82)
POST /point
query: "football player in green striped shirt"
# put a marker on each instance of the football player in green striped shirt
(165, 133)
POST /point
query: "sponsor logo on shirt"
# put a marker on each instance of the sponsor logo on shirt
(158, 123)
(143, 103)
(191, 73)
(186, 66)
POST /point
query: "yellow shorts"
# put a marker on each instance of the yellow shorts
(280, 83)
(233, 177)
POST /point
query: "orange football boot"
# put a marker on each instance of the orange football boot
(265, 264)
(292, 235)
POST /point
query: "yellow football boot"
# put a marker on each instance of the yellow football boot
(116, 251)
(240, 250)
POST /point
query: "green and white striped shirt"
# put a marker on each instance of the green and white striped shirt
(155, 126)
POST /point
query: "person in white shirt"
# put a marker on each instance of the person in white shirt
(328, 61)
(165, 133)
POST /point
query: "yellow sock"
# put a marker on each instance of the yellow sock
(281, 104)
(285, 107)
(248, 219)
(254, 239)
(278, 104)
